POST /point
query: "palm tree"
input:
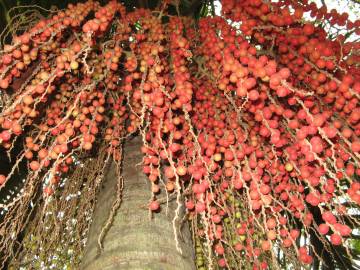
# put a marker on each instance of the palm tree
(134, 240)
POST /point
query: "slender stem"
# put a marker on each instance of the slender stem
(5, 10)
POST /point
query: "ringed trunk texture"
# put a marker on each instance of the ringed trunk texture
(134, 241)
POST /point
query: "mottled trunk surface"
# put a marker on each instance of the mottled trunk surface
(134, 241)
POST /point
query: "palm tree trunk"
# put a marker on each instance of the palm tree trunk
(134, 241)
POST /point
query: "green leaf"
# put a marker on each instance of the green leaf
(138, 26)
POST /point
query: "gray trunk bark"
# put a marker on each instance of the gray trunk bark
(133, 240)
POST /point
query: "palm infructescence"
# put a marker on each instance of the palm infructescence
(248, 124)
